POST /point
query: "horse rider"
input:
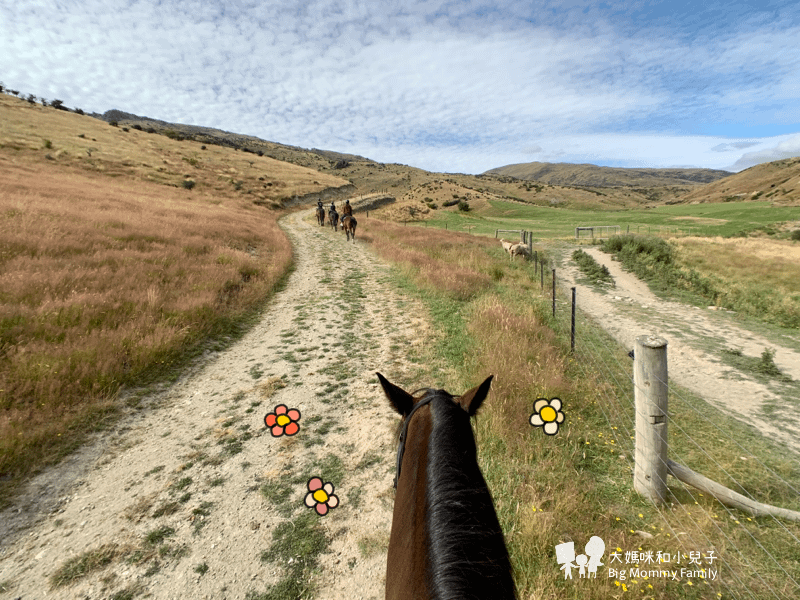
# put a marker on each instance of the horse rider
(319, 203)
(347, 210)
(333, 207)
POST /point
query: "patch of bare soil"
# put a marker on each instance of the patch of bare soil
(696, 339)
(170, 503)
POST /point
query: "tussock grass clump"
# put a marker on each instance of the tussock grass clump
(104, 287)
(85, 563)
(592, 269)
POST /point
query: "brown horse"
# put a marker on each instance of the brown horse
(333, 219)
(320, 215)
(349, 226)
(446, 541)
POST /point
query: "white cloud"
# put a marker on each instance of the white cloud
(786, 147)
(444, 85)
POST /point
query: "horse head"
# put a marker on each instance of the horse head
(446, 540)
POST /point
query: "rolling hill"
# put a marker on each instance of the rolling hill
(778, 182)
(565, 185)
(587, 175)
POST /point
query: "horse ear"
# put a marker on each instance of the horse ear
(471, 400)
(402, 401)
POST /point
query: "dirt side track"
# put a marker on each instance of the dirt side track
(696, 338)
(196, 460)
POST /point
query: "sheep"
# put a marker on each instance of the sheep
(507, 245)
(519, 250)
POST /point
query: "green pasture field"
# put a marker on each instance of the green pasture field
(721, 219)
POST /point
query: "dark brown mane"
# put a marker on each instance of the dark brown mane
(467, 551)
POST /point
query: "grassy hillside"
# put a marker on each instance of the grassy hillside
(777, 182)
(594, 176)
(30, 132)
(122, 254)
(564, 185)
(417, 190)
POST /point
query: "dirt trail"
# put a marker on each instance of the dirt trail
(696, 338)
(200, 454)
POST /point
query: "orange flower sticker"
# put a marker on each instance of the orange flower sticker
(283, 421)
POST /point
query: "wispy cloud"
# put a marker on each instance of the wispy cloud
(452, 86)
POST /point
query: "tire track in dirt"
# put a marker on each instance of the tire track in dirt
(695, 339)
(192, 466)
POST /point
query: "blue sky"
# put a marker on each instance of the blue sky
(453, 86)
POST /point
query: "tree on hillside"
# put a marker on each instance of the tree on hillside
(58, 104)
(31, 98)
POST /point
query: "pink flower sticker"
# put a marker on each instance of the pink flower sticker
(320, 497)
(283, 421)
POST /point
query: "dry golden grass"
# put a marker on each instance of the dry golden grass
(103, 283)
(456, 263)
(113, 273)
(550, 490)
(777, 181)
(757, 276)
(32, 132)
(774, 262)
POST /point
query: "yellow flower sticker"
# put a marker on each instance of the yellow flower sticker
(547, 414)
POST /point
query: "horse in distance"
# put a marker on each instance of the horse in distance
(349, 226)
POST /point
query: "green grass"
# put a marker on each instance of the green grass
(654, 260)
(300, 541)
(545, 222)
(763, 368)
(595, 272)
(83, 564)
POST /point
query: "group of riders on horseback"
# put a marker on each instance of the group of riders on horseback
(348, 220)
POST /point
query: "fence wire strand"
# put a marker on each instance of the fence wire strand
(618, 409)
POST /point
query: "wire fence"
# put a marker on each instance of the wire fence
(749, 566)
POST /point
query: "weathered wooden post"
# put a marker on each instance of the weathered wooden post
(650, 399)
(554, 292)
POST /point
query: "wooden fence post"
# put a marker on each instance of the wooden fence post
(650, 395)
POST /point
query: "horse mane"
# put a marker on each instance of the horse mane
(468, 556)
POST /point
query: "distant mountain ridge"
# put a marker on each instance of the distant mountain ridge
(546, 184)
(587, 175)
(294, 154)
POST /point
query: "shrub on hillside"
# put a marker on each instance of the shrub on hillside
(463, 205)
